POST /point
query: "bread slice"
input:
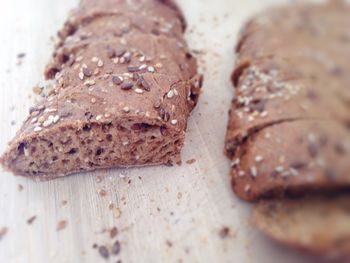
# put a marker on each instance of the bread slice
(121, 97)
(292, 158)
(319, 225)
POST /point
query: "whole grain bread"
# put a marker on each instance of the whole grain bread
(288, 131)
(289, 128)
(124, 86)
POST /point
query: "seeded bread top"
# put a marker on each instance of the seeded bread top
(124, 16)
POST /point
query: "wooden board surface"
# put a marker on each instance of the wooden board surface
(163, 214)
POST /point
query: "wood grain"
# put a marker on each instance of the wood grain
(163, 214)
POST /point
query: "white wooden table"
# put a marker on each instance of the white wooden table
(163, 214)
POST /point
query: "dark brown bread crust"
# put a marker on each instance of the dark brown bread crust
(289, 124)
(125, 85)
